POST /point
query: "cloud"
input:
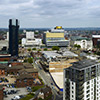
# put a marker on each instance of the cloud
(41, 12)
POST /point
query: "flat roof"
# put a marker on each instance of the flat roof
(96, 36)
(58, 78)
(83, 64)
(69, 54)
(50, 54)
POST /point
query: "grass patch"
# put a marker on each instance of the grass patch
(27, 97)
(35, 88)
(41, 80)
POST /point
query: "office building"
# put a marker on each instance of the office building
(13, 37)
(86, 44)
(30, 41)
(96, 40)
(55, 37)
(82, 81)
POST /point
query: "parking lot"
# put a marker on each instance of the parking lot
(20, 91)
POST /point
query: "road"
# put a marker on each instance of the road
(48, 81)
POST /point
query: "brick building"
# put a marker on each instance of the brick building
(2, 69)
(1, 93)
(45, 93)
(96, 40)
(24, 80)
(31, 71)
(14, 69)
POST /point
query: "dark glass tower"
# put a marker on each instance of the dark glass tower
(13, 37)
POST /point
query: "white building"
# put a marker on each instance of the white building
(30, 35)
(30, 41)
(85, 44)
(82, 81)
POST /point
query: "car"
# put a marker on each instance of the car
(16, 97)
(21, 96)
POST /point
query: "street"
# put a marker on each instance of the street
(48, 81)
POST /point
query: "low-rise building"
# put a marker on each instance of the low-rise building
(31, 71)
(24, 80)
(30, 41)
(85, 43)
(45, 93)
(96, 40)
(1, 93)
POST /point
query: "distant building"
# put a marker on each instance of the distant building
(55, 37)
(13, 37)
(85, 43)
(30, 41)
(3, 44)
(96, 40)
(82, 81)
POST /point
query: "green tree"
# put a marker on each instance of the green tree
(77, 46)
(55, 48)
(34, 49)
(30, 60)
(19, 41)
(39, 49)
(45, 49)
(29, 49)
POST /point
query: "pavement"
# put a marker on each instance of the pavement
(22, 91)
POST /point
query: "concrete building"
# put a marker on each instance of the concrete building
(13, 37)
(30, 41)
(85, 43)
(96, 40)
(3, 43)
(55, 38)
(82, 81)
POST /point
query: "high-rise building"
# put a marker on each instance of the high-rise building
(82, 81)
(13, 36)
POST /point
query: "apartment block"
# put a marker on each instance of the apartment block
(82, 81)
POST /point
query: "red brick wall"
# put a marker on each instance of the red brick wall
(35, 75)
(15, 71)
(2, 72)
(1, 94)
(3, 59)
(95, 41)
(16, 63)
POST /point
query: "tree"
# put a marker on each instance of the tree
(55, 48)
(34, 49)
(45, 49)
(39, 50)
(19, 41)
(30, 60)
(77, 46)
(29, 49)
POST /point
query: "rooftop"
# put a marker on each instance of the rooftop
(1, 87)
(24, 76)
(96, 36)
(83, 64)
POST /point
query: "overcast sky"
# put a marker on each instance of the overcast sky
(50, 13)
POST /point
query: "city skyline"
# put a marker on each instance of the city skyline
(49, 13)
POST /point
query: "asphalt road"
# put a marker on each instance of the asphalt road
(48, 81)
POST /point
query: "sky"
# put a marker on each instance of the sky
(50, 13)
